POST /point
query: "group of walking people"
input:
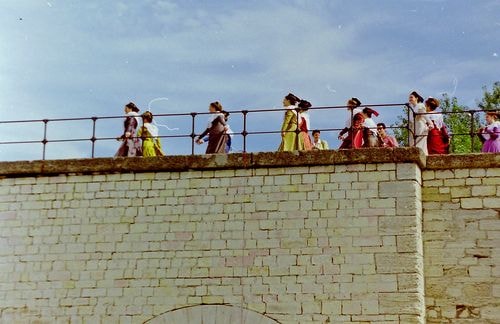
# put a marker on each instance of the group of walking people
(429, 132)
(426, 127)
(139, 141)
(360, 129)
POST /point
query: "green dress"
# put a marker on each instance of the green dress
(290, 142)
(151, 146)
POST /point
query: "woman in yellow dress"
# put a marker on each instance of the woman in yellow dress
(151, 145)
(289, 139)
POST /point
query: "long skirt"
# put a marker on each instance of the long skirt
(306, 139)
(354, 139)
(216, 143)
(291, 142)
(435, 143)
(491, 146)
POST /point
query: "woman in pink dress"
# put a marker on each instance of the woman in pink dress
(491, 133)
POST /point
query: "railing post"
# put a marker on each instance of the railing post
(244, 132)
(297, 129)
(44, 141)
(93, 138)
(410, 133)
(472, 132)
(193, 115)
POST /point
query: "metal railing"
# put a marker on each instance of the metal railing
(246, 131)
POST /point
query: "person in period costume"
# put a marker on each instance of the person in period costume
(131, 144)
(318, 143)
(490, 135)
(418, 125)
(229, 133)
(353, 107)
(151, 145)
(354, 138)
(370, 138)
(304, 124)
(216, 130)
(385, 140)
(289, 139)
(437, 137)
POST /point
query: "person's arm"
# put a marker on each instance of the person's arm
(325, 145)
(493, 133)
(342, 132)
(394, 142)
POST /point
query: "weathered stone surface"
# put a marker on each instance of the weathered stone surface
(300, 236)
(213, 161)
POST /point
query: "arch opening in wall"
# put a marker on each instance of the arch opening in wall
(216, 314)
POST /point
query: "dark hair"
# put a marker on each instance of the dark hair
(132, 106)
(433, 103)
(368, 111)
(354, 102)
(304, 105)
(381, 125)
(292, 98)
(316, 131)
(217, 106)
(147, 116)
(226, 114)
(416, 95)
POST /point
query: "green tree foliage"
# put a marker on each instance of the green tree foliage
(462, 126)
(400, 129)
(491, 100)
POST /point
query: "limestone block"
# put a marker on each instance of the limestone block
(351, 307)
(477, 173)
(408, 171)
(489, 225)
(491, 313)
(398, 263)
(397, 225)
(376, 176)
(289, 308)
(480, 271)
(444, 174)
(410, 282)
(400, 303)
(493, 202)
(460, 192)
(471, 203)
(367, 241)
(408, 243)
(347, 177)
(405, 188)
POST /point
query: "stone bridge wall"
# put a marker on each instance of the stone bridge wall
(306, 237)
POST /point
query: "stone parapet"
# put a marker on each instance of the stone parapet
(212, 162)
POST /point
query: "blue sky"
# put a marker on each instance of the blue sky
(84, 58)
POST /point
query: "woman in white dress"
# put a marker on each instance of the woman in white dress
(418, 125)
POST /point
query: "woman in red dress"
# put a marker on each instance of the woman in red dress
(437, 137)
(304, 124)
(354, 138)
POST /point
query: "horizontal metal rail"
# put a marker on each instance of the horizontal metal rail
(245, 133)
